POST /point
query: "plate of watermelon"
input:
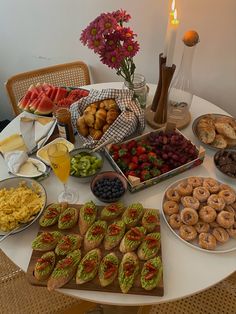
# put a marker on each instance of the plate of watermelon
(41, 99)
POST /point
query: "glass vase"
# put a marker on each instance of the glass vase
(140, 89)
(181, 89)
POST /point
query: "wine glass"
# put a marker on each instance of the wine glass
(60, 162)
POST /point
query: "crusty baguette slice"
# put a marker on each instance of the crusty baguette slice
(114, 234)
(108, 269)
(132, 239)
(46, 241)
(150, 246)
(128, 270)
(87, 216)
(133, 214)
(68, 243)
(151, 273)
(150, 219)
(64, 270)
(44, 266)
(68, 218)
(112, 211)
(95, 235)
(88, 267)
(50, 215)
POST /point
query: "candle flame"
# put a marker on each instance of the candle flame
(175, 14)
(173, 6)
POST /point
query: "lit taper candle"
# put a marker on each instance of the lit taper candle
(174, 24)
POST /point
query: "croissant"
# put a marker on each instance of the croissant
(91, 109)
(82, 126)
(89, 119)
(101, 114)
(91, 131)
(97, 135)
(105, 128)
(112, 114)
(108, 104)
(99, 123)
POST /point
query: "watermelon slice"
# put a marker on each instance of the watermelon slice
(53, 94)
(45, 106)
(34, 104)
(61, 93)
(23, 102)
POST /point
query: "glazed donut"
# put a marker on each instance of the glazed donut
(189, 216)
(232, 231)
(220, 234)
(216, 202)
(228, 196)
(224, 186)
(195, 181)
(187, 233)
(225, 219)
(173, 195)
(207, 241)
(207, 214)
(201, 194)
(190, 201)
(202, 226)
(184, 189)
(211, 184)
(175, 221)
(170, 208)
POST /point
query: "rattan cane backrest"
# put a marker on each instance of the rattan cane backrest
(72, 74)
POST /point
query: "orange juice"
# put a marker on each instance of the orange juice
(60, 163)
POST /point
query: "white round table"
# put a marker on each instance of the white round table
(186, 270)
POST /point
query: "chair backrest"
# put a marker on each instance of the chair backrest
(73, 74)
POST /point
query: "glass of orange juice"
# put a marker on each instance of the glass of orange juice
(60, 162)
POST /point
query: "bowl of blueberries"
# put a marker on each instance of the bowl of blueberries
(108, 186)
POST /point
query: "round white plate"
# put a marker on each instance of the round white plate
(14, 183)
(32, 168)
(229, 246)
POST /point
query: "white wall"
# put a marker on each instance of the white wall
(40, 33)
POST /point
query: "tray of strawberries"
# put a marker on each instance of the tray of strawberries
(153, 157)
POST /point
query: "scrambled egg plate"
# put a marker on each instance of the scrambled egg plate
(18, 205)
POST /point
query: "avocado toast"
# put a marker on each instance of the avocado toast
(128, 270)
(150, 219)
(95, 235)
(132, 239)
(112, 211)
(88, 267)
(68, 243)
(114, 234)
(46, 241)
(64, 270)
(151, 273)
(87, 216)
(133, 214)
(108, 269)
(50, 215)
(44, 266)
(68, 218)
(150, 246)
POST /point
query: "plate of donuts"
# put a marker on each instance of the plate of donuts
(215, 131)
(201, 212)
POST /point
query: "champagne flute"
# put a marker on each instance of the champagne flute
(60, 162)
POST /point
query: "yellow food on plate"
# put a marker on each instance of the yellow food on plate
(12, 142)
(18, 205)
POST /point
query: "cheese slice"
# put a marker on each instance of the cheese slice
(11, 143)
(28, 168)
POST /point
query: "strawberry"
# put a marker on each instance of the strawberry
(143, 158)
(155, 172)
(130, 173)
(145, 175)
(115, 147)
(131, 144)
(140, 150)
(134, 159)
(132, 166)
(122, 152)
(115, 155)
(157, 162)
(133, 151)
(152, 156)
(145, 165)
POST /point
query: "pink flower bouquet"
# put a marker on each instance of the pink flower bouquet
(114, 43)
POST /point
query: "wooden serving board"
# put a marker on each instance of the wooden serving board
(94, 284)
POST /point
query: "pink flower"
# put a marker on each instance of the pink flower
(131, 48)
(121, 16)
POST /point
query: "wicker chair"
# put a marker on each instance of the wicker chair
(69, 74)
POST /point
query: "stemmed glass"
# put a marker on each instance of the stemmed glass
(60, 162)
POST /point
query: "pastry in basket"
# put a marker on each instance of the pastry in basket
(114, 234)
(219, 141)
(206, 133)
(225, 129)
(64, 270)
(151, 273)
(44, 266)
(128, 270)
(50, 215)
(68, 218)
(150, 246)
(132, 239)
(150, 219)
(108, 269)
(95, 235)
(46, 241)
(87, 216)
(133, 214)
(88, 267)
(112, 211)
(68, 243)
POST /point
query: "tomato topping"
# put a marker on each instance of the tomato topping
(66, 217)
(128, 268)
(151, 219)
(114, 230)
(89, 265)
(135, 234)
(89, 211)
(52, 213)
(112, 208)
(132, 212)
(110, 268)
(65, 262)
(151, 274)
(66, 243)
(97, 230)
(43, 263)
(151, 242)
(47, 237)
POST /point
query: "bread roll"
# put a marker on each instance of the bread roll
(97, 134)
(101, 114)
(89, 119)
(225, 129)
(112, 114)
(99, 123)
(82, 126)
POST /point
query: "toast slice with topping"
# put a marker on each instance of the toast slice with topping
(88, 267)
(95, 235)
(133, 214)
(150, 246)
(46, 241)
(108, 269)
(50, 216)
(87, 216)
(128, 270)
(68, 243)
(68, 218)
(112, 211)
(114, 234)
(150, 219)
(44, 266)
(151, 273)
(132, 239)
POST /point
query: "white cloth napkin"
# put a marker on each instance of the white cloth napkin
(15, 160)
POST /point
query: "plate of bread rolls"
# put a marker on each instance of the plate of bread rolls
(97, 118)
(215, 131)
